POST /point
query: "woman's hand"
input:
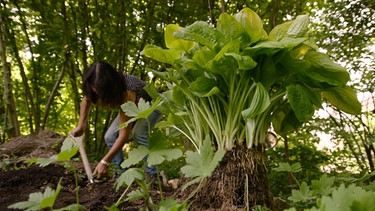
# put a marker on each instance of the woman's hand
(78, 131)
(101, 170)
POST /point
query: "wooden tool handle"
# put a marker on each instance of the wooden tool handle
(85, 160)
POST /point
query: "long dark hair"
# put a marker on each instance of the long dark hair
(109, 85)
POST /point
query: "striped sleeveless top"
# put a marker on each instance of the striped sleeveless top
(135, 84)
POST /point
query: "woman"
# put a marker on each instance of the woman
(104, 86)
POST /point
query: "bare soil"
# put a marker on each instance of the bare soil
(17, 180)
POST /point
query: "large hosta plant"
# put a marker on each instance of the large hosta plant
(232, 81)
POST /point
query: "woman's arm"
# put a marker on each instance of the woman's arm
(83, 116)
(124, 133)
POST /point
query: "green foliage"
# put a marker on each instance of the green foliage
(39, 200)
(303, 194)
(347, 198)
(200, 165)
(156, 152)
(227, 73)
(68, 150)
(129, 176)
(289, 168)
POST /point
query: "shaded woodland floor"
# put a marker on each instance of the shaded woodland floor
(16, 185)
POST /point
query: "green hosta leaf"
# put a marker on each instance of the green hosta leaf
(343, 98)
(252, 24)
(270, 47)
(230, 28)
(259, 103)
(323, 70)
(143, 110)
(285, 121)
(200, 32)
(151, 90)
(203, 56)
(173, 42)
(244, 62)
(168, 56)
(201, 165)
(269, 74)
(299, 27)
(204, 87)
(303, 194)
(39, 200)
(129, 176)
(279, 31)
(323, 186)
(299, 99)
(286, 167)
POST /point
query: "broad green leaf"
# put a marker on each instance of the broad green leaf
(342, 198)
(151, 90)
(259, 103)
(268, 72)
(285, 121)
(303, 194)
(252, 24)
(299, 27)
(173, 42)
(171, 205)
(230, 28)
(343, 98)
(129, 176)
(168, 56)
(135, 195)
(200, 165)
(286, 167)
(270, 47)
(279, 31)
(200, 32)
(157, 157)
(178, 97)
(67, 151)
(39, 200)
(323, 70)
(135, 156)
(203, 56)
(204, 87)
(300, 102)
(244, 62)
(323, 186)
(157, 151)
(143, 110)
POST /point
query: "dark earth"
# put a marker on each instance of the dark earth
(18, 179)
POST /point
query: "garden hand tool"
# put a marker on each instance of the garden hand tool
(85, 160)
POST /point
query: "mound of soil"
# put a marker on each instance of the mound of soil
(18, 180)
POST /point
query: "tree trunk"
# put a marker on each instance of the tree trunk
(12, 125)
(240, 181)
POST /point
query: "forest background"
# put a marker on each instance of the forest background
(47, 45)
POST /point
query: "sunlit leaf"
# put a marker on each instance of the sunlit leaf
(343, 98)
(173, 42)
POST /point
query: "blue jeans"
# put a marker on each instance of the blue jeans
(140, 136)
